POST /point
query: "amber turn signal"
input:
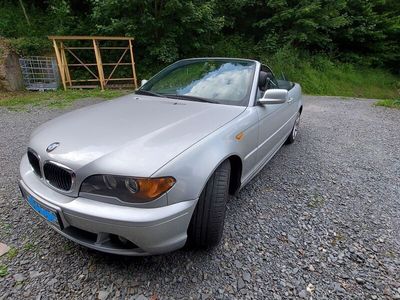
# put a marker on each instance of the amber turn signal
(239, 136)
(152, 188)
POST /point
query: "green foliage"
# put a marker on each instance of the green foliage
(14, 25)
(55, 99)
(331, 47)
(60, 12)
(357, 31)
(3, 270)
(302, 23)
(29, 46)
(391, 103)
(29, 246)
(24, 38)
(164, 30)
(12, 21)
(12, 253)
(320, 75)
(233, 46)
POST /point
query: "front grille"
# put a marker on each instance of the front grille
(57, 176)
(34, 161)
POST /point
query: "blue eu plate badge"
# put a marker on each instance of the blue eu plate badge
(45, 213)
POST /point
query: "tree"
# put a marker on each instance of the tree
(164, 30)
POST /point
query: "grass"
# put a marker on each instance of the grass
(12, 253)
(29, 247)
(6, 228)
(55, 99)
(391, 103)
(3, 270)
(346, 81)
(319, 75)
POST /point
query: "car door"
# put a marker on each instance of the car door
(274, 123)
(294, 93)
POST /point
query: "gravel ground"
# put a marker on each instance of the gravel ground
(321, 221)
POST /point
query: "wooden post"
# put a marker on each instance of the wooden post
(99, 64)
(65, 64)
(60, 66)
(133, 64)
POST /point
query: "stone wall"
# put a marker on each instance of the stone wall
(10, 71)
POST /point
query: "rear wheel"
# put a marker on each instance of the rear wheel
(295, 130)
(207, 223)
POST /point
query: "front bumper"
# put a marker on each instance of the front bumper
(113, 228)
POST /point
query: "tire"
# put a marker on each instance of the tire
(207, 223)
(295, 130)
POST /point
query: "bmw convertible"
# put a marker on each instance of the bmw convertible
(150, 172)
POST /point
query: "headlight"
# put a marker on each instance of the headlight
(127, 189)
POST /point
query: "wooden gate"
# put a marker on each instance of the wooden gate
(98, 76)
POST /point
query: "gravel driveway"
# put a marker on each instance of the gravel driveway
(321, 220)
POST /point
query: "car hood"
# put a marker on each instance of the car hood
(133, 135)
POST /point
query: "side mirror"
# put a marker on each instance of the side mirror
(274, 96)
(143, 82)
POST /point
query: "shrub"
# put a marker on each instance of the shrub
(29, 46)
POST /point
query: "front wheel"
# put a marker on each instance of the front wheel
(207, 223)
(295, 130)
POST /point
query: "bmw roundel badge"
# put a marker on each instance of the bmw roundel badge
(52, 146)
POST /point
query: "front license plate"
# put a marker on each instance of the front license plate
(46, 213)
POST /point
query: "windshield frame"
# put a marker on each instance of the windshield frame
(183, 62)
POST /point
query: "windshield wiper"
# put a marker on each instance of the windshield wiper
(147, 93)
(187, 97)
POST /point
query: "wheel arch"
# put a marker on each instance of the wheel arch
(193, 168)
(236, 174)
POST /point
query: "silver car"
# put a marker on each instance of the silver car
(152, 171)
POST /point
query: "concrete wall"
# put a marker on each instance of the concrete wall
(10, 71)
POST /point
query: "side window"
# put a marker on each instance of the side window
(284, 84)
(273, 83)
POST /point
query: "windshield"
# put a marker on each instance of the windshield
(218, 81)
